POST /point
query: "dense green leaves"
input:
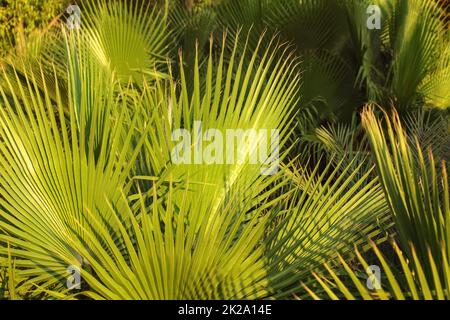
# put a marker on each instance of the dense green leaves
(416, 189)
(409, 282)
(65, 183)
(90, 170)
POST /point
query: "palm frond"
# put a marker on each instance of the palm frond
(340, 281)
(417, 195)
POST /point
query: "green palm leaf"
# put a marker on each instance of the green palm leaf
(416, 191)
(341, 282)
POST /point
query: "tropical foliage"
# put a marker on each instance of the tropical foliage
(416, 188)
(89, 183)
(22, 22)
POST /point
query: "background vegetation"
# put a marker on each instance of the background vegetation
(21, 20)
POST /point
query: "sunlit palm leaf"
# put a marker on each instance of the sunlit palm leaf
(341, 282)
(52, 166)
(417, 195)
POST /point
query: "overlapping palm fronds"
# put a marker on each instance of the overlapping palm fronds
(90, 176)
(416, 189)
(418, 197)
(410, 282)
(346, 63)
(65, 181)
